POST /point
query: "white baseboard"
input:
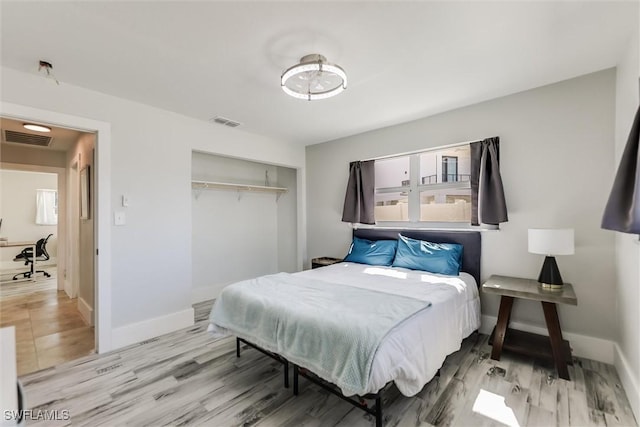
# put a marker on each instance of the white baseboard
(150, 328)
(629, 380)
(68, 289)
(86, 311)
(205, 293)
(582, 345)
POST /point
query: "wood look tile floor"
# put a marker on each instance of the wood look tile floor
(189, 378)
(49, 327)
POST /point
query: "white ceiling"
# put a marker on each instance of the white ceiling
(404, 60)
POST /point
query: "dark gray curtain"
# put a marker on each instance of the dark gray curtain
(622, 212)
(488, 205)
(359, 202)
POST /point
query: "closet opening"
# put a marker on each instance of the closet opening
(244, 221)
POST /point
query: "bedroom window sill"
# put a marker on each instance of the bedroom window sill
(428, 226)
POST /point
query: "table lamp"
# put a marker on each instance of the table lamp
(551, 242)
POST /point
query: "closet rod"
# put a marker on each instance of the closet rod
(238, 187)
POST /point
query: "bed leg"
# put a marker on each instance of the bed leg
(378, 411)
(286, 373)
(477, 336)
(295, 379)
(237, 347)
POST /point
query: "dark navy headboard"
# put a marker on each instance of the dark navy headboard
(470, 240)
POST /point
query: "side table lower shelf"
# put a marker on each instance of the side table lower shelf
(533, 345)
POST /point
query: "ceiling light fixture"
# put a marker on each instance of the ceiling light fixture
(37, 128)
(313, 78)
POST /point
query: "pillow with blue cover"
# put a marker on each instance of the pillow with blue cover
(378, 252)
(440, 258)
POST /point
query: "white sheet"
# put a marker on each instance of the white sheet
(411, 354)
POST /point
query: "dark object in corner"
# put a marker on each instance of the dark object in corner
(622, 212)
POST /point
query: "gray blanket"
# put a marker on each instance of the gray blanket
(331, 329)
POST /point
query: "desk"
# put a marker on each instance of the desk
(553, 346)
(6, 244)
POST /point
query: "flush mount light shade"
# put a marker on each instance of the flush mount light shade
(37, 128)
(313, 78)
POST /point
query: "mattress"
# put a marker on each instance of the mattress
(410, 354)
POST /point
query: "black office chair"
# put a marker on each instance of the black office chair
(27, 256)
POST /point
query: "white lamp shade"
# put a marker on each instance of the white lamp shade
(547, 241)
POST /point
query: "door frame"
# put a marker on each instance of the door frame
(102, 228)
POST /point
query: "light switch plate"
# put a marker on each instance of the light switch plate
(119, 218)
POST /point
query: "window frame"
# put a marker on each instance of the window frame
(415, 188)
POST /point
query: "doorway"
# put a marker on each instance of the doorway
(102, 174)
(41, 299)
(100, 207)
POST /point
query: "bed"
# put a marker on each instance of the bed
(377, 324)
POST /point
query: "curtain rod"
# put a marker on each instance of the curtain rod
(442, 147)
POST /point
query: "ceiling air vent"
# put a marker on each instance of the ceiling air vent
(225, 121)
(27, 138)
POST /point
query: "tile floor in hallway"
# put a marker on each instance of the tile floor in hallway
(49, 327)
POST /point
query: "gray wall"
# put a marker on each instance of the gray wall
(627, 358)
(556, 163)
(83, 229)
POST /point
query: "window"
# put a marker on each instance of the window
(429, 186)
(449, 169)
(46, 207)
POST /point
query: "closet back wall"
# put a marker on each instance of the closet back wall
(239, 235)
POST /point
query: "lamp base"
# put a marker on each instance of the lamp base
(550, 275)
(550, 287)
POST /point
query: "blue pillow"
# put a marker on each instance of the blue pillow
(440, 258)
(379, 252)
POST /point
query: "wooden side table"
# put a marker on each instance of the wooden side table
(324, 261)
(553, 346)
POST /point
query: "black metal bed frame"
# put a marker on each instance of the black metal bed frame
(299, 371)
(376, 411)
(274, 356)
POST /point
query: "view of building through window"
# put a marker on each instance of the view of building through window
(430, 186)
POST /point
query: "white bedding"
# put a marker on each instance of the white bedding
(411, 354)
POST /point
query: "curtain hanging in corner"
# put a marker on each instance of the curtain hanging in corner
(488, 205)
(622, 212)
(359, 200)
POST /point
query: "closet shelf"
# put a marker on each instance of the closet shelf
(204, 185)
